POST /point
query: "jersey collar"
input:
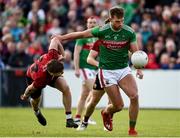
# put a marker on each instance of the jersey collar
(113, 29)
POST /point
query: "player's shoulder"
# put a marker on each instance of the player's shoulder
(128, 28)
(52, 54)
(104, 27)
(81, 39)
(41, 73)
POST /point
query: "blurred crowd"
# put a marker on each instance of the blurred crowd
(26, 27)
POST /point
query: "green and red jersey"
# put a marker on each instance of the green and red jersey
(86, 44)
(113, 46)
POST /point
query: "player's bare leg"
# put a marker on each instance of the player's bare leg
(81, 103)
(84, 99)
(35, 105)
(62, 85)
(116, 102)
(115, 105)
(95, 98)
(129, 86)
(90, 86)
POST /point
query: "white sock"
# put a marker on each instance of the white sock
(68, 116)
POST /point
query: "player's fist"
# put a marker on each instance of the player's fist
(59, 37)
(139, 74)
(23, 97)
(77, 73)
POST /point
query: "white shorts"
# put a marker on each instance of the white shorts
(87, 74)
(111, 77)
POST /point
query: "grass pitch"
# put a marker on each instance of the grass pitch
(21, 122)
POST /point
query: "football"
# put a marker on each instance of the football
(139, 59)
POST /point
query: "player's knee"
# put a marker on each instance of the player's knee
(84, 95)
(133, 94)
(66, 89)
(119, 107)
(134, 97)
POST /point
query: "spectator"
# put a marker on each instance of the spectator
(68, 60)
(55, 29)
(171, 48)
(34, 25)
(5, 30)
(152, 62)
(164, 61)
(157, 14)
(43, 38)
(146, 32)
(36, 11)
(2, 66)
(11, 49)
(177, 64)
(35, 49)
(158, 47)
(19, 59)
(16, 31)
(28, 21)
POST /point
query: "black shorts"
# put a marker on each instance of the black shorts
(37, 93)
(97, 85)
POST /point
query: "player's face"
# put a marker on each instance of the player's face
(56, 74)
(91, 22)
(117, 23)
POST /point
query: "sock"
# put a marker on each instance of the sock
(85, 123)
(132, 124)
(112, 115)
(86, 118)
(68, 115)
(37, 111)
(78, 116)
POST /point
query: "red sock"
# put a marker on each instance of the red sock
(78, 116)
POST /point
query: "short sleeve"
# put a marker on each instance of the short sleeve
(133, 38)
(96, 45)
(53, 54)
(39, 84)
(95, 31)
(79, 42)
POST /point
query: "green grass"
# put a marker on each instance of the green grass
(21, 122)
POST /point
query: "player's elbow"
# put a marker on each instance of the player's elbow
(89, 60)
(86, 33)
(54, 40)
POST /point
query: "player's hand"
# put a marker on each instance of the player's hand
(59, 37)
(139, 74)
(53, 36)
(61, 58)
(77, 73)
(24, 97)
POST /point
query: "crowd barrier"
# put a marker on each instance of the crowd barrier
(12, 85)
(158, 89)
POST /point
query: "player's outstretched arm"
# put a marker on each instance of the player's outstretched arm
(74, 35)
(29, 90)
(77, 51)
(56, 44)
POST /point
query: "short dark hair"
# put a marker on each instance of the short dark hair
(55, 66)
(116, 11)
